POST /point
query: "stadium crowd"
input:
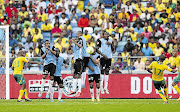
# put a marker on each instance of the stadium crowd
(138, 28)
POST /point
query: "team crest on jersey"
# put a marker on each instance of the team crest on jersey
(68, 85)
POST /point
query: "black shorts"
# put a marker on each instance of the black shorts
(94, 77)
(78, 66)
(58, 79)
(105, 63)
(159, 84)
(85, 61)
(49, 69)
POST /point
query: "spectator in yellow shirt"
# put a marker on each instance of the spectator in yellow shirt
(123, 13)
(26, 30)
(34, 29)
(149, 8)
(42, 15)
(159, 50)
(168, 9)
(102, 21)
(152, 44)
(23, 13)
(37, 37)
(159, 6)
(103, 13)
(80, 6)
(177, 14)
(46, 27)
(134, 35)
(119, 28)
(64, 41)
(86, 35)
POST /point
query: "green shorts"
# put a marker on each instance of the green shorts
(19, 79)
(177, 78)
(159, 84)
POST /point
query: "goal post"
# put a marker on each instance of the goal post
(4, 37)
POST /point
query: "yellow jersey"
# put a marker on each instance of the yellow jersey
(158, 70)
(18, 65)
(176, 62)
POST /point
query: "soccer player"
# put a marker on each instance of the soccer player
(49, 55)
(106, 47)
(76, 45)
(157, 76)
(176, 63)
(57, 76)
(85, 56)
(17, 66)
(94, 74)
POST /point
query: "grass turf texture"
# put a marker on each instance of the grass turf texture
(85, 105)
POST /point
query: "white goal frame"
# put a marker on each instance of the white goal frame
(6, 27)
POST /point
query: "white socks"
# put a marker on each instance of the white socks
(42, 85)
(74, 84)
(83, 77)
(106, 81)
(101, 82)
(79, 85)
(60, 93)
(92, 92)
(51, 89)
(97, 92)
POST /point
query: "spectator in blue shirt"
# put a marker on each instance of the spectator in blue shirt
(12, 42)
(172, 25)
(147, 50)
(108, 3)
(138, 29)
(143, 39)
(116, 2)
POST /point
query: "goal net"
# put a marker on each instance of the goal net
(4, 62)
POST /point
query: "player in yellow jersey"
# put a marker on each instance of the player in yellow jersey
(17, 66)
(157, 76)
(176, 63)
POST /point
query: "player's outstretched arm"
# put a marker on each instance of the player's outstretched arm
(34, 62)
(53, 52)
(79, 45)
(99, 52)
(149, 70)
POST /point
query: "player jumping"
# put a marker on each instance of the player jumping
(49, 56)
(76, 45)
(57, 76)
(176, 63)
(105, 45)
(157, 76)
(17, 66)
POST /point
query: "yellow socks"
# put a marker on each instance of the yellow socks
(177, 89)
(25, 93)
(162, 95)
(166, 92)
(21, 92)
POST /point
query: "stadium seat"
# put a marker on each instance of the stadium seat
(74, 25)
(46, 36)
(89, 29)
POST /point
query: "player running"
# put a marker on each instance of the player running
(17, 66)
(57, 76)
(157, 76)
(176, 63)
(105, 45)
(76, 46)
(94, 74)
(49, 55)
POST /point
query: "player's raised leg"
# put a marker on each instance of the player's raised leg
(108, 65)
(174, 84)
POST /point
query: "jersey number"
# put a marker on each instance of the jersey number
(16, 64)
(156, 71)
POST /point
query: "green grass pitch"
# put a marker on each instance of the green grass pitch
(85, 105)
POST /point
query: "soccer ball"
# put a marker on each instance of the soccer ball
(90, 50)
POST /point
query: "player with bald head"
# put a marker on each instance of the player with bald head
(176, 64)
(17, 66)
